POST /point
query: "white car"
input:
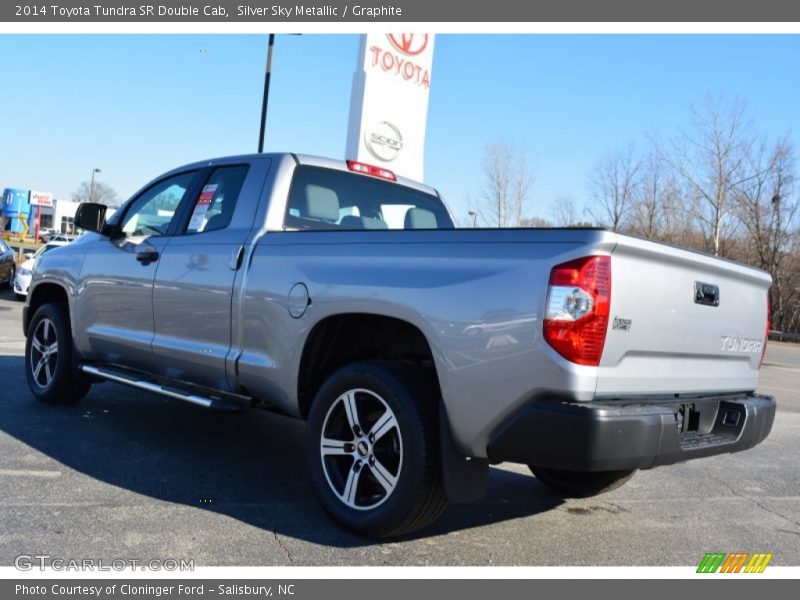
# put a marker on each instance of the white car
(22, 281)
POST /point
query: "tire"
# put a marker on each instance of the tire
(20, 297)
(49, 366)
(579, 484)
(398, 487)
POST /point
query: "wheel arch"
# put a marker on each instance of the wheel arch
(339, 339)
(41, 294)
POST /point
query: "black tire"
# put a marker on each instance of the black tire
(408, 450)
(580, 484)
(55, 381)
(20, 297)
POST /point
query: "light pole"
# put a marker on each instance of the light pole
(474, 216)
(265, 99)
(91, 187)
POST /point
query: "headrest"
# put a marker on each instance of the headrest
(320, 203)
(419, 218)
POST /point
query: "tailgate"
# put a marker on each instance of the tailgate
(681, 322)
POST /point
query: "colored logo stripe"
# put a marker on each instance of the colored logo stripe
(734, 562)
(758, 563)
(711, 562)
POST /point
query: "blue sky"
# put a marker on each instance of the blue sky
(138, 105)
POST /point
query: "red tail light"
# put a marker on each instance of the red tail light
(360, 167)
(766, 333)
(578, 305)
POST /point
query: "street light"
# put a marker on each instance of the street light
(474, 216)
(265, 99)
(91, 187)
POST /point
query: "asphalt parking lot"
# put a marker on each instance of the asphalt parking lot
(125, 474)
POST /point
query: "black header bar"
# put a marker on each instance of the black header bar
(398, 11)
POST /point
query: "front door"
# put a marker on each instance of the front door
(114, 308)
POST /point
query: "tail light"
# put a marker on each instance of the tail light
(366, 169)
(766, 333)
(578, 305)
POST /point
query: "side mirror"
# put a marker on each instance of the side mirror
(28, 255)
(91, 216)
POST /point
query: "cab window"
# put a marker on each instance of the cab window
(323, 198)
(213, 207)
(153, 211)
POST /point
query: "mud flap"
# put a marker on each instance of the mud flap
(465, 478)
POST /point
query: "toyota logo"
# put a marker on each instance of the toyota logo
(409, 44)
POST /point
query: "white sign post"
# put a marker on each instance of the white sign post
(389, 102)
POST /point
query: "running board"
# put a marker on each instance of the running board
(232, 404)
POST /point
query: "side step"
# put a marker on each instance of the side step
(221, 402)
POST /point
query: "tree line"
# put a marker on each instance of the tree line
(719, 186)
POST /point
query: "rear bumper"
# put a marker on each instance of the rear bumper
(631, 434)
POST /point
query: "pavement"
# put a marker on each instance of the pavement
(126, 474)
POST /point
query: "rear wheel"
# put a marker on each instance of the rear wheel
(581, 484)
(48, 357)
(373, 450)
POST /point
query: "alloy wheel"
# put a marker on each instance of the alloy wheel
(361, 449)
(44, 353)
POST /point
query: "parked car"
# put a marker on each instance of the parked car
(25, 271)
(62, 237)
(46, 234)
(8, 264)
(337, 293)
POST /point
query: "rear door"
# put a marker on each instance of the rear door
(114, 310)
(681, 322)
(194, 286)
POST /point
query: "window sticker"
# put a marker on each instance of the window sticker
(201, 208)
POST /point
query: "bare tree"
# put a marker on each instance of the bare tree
(102, 193)
(613, 186)
(507, 181)
(564, 211)
(647, 213)
(710, 158)
(767, 207)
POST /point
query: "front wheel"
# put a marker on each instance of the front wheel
(48, 357)
(580, 484)
(373, 451)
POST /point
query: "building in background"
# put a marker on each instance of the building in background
(22, 207)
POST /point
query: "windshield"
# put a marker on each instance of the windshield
(327, 199)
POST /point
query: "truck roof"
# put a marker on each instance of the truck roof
(309, 159)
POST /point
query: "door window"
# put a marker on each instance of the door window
(152, 212)
(214, 206)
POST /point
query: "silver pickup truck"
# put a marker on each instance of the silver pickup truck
(418, 354)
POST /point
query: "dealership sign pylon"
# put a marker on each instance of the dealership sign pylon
(389, 102)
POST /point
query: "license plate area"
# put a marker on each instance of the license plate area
(696, 418)
(702, 424)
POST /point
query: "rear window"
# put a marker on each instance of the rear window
(326, 199)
